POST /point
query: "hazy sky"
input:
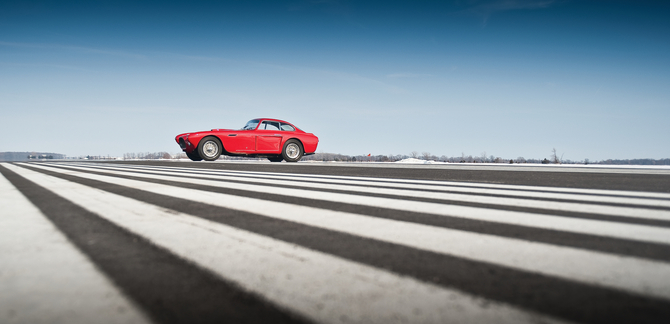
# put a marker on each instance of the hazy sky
(510, 78)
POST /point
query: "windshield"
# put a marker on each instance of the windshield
(251, 125)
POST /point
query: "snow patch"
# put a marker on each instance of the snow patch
(418, 161)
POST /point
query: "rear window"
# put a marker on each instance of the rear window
(287, 127)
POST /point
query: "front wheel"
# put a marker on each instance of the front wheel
(210, 148)
(292, 151)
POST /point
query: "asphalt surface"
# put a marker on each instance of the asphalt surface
(613, 178)
(182, 242)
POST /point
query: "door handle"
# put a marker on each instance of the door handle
(232, 134)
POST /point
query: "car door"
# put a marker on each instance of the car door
(243, 141)
(268, 137)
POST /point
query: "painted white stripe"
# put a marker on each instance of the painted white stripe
(588, 195)
(630, 274)
(44, 278)
(438, 183)
(642, 233)
(515, 202)
(319, 286)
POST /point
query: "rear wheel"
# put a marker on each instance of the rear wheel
(194, 156)
(292, 151)
(210, 148)
(276, 158)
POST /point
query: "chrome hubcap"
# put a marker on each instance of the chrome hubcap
(211, 149)
(292, 150)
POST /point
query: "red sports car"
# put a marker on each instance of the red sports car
(274, 139)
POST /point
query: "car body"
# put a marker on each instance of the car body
(272, 138)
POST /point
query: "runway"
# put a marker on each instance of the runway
(165, 242)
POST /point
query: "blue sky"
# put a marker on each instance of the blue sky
(510, 78)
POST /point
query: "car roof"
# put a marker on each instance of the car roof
(274, 119)
(281, 121)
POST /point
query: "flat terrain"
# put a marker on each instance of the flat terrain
(248, 242)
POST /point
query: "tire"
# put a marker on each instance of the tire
(210, 148)
(292, 151)
(278, 158)
(194, 156)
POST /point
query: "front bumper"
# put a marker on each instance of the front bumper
(184, 144)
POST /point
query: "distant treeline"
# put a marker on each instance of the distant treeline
(148, 156)
(27, 156)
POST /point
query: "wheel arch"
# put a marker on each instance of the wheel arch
(223, 147)
(297, 139)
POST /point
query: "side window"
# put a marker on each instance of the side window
(287, 127)
(269, 125)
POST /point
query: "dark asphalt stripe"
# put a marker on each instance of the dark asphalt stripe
(167, 288)
(571, 214)
(386, 184)
(558, 297)
(628, 182)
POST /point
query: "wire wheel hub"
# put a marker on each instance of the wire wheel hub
(210, 149)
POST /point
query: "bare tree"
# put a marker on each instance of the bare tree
(414, 154)
(426, 155)
(554, 157)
